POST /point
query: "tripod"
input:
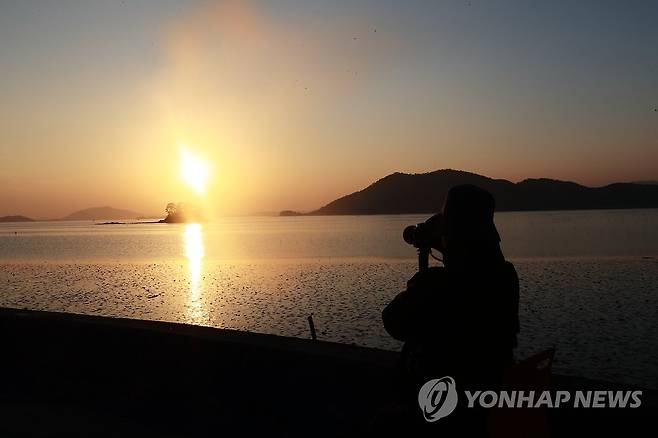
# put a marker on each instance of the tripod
(423, 259)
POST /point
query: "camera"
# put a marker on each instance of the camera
(425, 235)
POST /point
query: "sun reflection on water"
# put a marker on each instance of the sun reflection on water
(194, 251)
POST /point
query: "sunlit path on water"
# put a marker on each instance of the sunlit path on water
(194, 251)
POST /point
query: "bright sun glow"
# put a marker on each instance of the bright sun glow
(194, 170)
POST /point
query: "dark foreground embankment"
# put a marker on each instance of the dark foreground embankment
(74, 375)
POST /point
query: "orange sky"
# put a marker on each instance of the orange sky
(295, 104)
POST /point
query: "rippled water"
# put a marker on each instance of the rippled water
(589, 280)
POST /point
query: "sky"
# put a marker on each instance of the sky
(292, 104)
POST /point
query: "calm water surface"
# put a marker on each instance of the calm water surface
(589, 279)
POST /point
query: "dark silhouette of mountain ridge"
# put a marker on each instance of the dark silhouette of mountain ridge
(400, 193)
(101, 213)
(16, 218)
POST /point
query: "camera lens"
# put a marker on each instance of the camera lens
(409, 234)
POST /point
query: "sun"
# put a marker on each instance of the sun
(194, 170)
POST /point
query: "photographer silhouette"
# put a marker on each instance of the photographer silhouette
(459, 320)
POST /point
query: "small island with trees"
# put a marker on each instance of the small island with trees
(291, 213)
(180, 213)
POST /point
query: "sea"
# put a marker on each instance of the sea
(589, 279)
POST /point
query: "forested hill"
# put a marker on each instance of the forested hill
(400, 193)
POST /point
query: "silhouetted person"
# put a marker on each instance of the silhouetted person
(460, 320)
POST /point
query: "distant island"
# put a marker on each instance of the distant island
(181, 213)
(291, 213)
(101, 213)
(16, 218)
(176, 214)
(401, 193)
